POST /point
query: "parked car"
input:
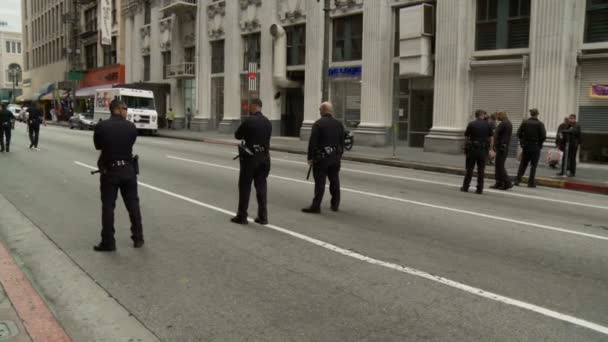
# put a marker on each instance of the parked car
(82, 121)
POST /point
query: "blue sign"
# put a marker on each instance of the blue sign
(349, 71)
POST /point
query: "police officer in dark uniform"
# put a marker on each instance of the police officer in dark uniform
(532, 135)
(6, 117)
(34, 119)
(502, 139)
(477, 144)
(325, 149)
(572, 139)
(254, 158)
(115, 138)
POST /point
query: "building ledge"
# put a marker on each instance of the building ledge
(590, 47)
(486, 54)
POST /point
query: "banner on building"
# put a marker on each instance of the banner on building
(599, 91)
(105, 21)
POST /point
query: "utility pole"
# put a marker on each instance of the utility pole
(326, 28)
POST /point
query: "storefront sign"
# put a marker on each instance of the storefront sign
(599, 91)
(348, 71)
(105, 22)
(111, 75)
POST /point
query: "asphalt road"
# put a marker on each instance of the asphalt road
(407, 258)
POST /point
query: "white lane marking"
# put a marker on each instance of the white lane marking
(424, 204)
(420, 180)
(404, 269)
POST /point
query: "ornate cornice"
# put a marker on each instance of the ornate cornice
(346, 6)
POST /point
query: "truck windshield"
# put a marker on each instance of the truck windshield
(138, 102)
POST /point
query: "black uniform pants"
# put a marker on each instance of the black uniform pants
(322, 169)
(34, 132)
(569, 160)
(475, 156)
(121, 178)
(530, 155)
(5, 130)
(254, 169)
(501, 176)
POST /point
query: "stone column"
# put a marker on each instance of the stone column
(376, 104)
(177, 56)
(156, 61)
(232, 67)
(553, 60)
(137, 61)
(202, 113)
(129, 46)
(272, 106)
(452, 101)
(314, 66)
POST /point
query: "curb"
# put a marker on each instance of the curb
(542, 181)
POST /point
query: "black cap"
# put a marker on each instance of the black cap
(256, 102)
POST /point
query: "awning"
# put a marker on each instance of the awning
(45, 89)
(52, 96)
(19, 98)
(90, 91)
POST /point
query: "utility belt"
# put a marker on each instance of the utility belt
(120, 163)
(325, 152)
(5, 124)
(245, 151)
(478, 145)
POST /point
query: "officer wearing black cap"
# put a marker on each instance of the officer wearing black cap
(115, 138)
(477, 144)
(34, 119)
(6, 117)
(532, 135)
(254, 158)
(325, 150)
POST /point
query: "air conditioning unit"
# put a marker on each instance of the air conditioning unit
(416, 30)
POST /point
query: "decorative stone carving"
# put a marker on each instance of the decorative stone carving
(216, 12)
(145, 39)
(291, 11)
(166, 27)
(130, 7)
(339, 7)
(248, 20)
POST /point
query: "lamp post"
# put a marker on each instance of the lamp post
(326, 27)
(14, 74)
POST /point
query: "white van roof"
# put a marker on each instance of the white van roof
(129, 92)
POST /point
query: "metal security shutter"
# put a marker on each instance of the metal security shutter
(501, 88)
(593, 112)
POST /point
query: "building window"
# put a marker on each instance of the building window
(347, 38)
(8, 47)
(502, 24)
(90, 20)
(247, 95)
(109, 53)
(147, 13)
(90, 53)
(18, 47)
(346, 97)
(217, 100)
(296, 45)
(217, 57)
(146, 68)
(596, 21)
(166, 62)
(251, 53)
(189, 94)
(189, 55)
(27, 60)
(114, 21)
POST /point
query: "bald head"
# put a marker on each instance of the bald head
(326, 108)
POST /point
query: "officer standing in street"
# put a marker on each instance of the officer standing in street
(477, 144)
(34, 119)
(325, 150)
(254, 158)
(501, 141)
(115, 138)
(532, 135)
(6, 117)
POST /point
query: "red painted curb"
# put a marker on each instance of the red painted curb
(588, 187)
(37, 319)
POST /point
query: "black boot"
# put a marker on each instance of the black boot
(239, 220)
(105, 247)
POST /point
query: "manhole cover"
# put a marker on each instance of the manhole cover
(8, 329)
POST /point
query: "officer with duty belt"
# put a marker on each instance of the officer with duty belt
(501, 142)
(115, 138)
(254, 159)
(478, 135)
(6, 117)
(532, 135)
(325, 150)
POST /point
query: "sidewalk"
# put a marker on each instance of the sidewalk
(590, 177)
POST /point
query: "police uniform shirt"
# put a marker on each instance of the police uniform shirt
(326, 132)
(34, 115)
(6, 116)
(503, 133)
(478, 131)
(255, 130)
(115, 138)
(532, 132)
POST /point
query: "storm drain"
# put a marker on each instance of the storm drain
(8, 329)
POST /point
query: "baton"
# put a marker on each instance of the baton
(94, 172)
(308, 174)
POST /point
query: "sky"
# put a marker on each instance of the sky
(10, 12)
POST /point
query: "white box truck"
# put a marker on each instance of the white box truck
(141, 109)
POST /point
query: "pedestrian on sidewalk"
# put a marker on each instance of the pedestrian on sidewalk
(188, 117)
(325, 149)
(532, 135)
(170, 117)
(35, 118)
(501, 141)
(6, 119)
(118, 171)
(555, 156)
(254, 159)
(477, 144)
(572, 140)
